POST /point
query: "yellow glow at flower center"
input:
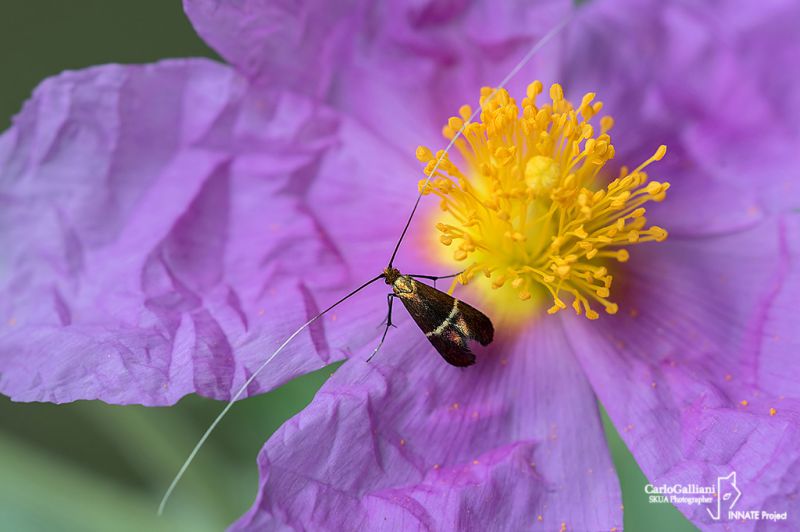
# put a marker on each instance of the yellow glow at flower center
(528, 211)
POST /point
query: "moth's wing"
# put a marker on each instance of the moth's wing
(452, 345)
(478, 325)
(473, 323)
(433, 309)
(429, 308)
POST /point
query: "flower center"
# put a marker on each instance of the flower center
(529, 211)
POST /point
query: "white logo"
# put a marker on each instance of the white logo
(726, 487)
(720, 498)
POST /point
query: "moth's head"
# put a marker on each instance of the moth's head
(391, 275)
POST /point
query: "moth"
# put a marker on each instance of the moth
(448, 323)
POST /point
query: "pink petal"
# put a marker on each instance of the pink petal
(717, 83)
(408, 64)
(408, 442)
(703, 349)
(157, 240)
(256, 35)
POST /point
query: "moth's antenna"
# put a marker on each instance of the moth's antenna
(538, 45)
(244, 386)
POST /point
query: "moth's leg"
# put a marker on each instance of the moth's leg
(389, 299)
(388, 319)
(435, 278)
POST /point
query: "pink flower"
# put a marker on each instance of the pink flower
(165, 227)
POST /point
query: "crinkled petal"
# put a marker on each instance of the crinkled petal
(407, 442)
(717, 83)
(298, 45)
(401, 67)
(699, 370)
(157, 240)
(368, 189)
(415, 63)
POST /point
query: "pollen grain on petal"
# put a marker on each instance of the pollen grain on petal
(529, 205)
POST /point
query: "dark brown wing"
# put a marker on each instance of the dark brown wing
(448, 323)
(478, 324)
(452, 345)
(428, 306)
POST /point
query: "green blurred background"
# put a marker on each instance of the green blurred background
(89, 466)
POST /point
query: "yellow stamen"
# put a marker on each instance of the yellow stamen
(528, 208)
